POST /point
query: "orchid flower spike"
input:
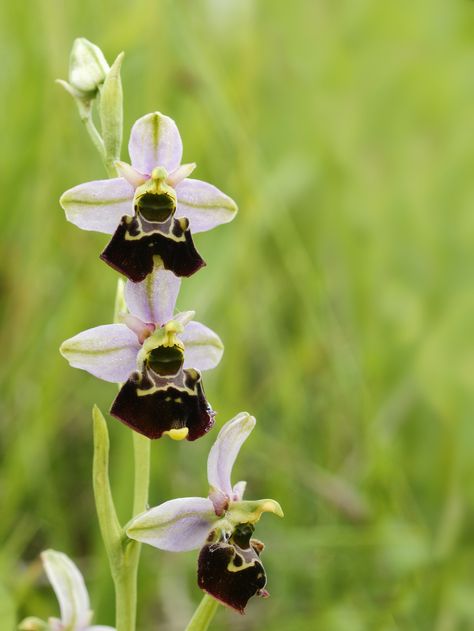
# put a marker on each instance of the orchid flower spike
(157, 356)
(72, 595)
(153, 207)
(221, 525)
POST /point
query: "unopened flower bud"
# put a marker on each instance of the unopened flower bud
(33, 624)
(87, 67)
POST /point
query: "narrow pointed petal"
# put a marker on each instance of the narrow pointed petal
(219, 500)
(179, 174)
(154, 299)
(204, 205)
(155, 141)
(239, 490)
(108, 352)
(225, 450)
(203, 347)
(133, 177)
(141, 329)
(177, 525)
(184, 317)
(69, 588)
(98, 205)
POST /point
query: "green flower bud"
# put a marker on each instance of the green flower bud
(33, 624)
(88, 67)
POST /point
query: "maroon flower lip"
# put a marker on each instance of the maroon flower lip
(152, 405)
(136, 243)
(231, 571)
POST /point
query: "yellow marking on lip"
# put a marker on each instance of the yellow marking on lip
(177, 434)
(238, 568)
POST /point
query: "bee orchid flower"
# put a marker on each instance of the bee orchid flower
(157, 357)
(220, 525)
(153, 208)
(72, 595)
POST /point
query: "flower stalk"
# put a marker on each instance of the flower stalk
(204, 614)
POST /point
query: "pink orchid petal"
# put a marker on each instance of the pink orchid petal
(203, 348)
(155, 141)
(204, 205)
(154, 299)
(239, 490)
(225, 450)
(141, 329)
(133, 177)
(98, 205)
(108, 352)
(177, 525)
(179, 174)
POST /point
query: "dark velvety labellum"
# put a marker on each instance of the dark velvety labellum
(231, 574)
(136, 242)
(173, 404)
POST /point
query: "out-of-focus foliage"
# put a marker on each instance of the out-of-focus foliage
(343, 292)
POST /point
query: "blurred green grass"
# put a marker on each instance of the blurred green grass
(343, 293)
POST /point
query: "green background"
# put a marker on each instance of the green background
(343, 293)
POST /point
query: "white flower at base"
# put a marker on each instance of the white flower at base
(71, 592)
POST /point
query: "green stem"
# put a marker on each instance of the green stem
(204, 614)
(94, 135)
(86, 117)
(141, 451)
(125, 578)
(120, 305)
(123, 554)
(125, 582)
(125, 574)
